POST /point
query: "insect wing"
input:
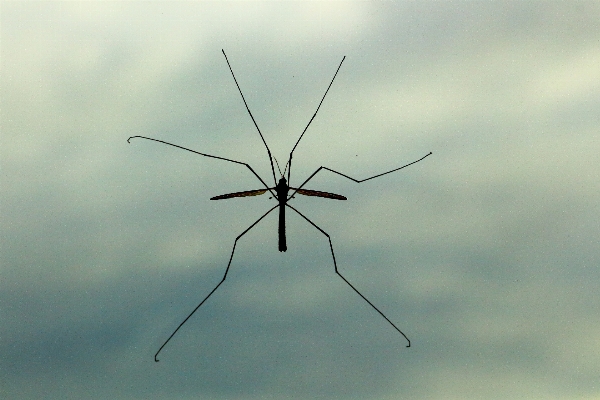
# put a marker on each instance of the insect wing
(240, 194)
(308, 192)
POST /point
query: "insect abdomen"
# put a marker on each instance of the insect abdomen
(282, 244)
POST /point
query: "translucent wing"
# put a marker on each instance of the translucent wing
(240, 194)
(307, 192)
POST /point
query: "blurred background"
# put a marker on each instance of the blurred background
(486, 254)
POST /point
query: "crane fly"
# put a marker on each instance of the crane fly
(280, 192)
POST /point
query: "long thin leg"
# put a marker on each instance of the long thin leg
(345, 280)
(289, 163)
(251, 116)
(355, 180)
(205, 155)
(216, 287)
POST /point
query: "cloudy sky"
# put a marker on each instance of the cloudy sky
(486, 254)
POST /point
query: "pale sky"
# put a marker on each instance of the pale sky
(486, 254)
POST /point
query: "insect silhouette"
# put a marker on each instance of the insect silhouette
(281, 193)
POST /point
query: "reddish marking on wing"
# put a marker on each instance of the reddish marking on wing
(239, 194)
(308, 192)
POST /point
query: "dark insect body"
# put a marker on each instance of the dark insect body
(281, 193)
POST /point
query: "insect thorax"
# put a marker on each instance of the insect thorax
(282, 189)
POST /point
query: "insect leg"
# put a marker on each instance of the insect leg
(251, 116)
(289, 163)
(205, 155)
(216, 287)
(345, 280)
(355, 180)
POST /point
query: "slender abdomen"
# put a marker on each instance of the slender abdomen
(282, 244)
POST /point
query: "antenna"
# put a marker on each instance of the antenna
(279, 169)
